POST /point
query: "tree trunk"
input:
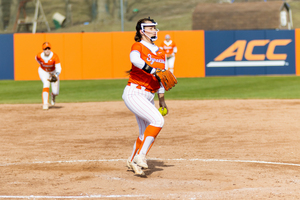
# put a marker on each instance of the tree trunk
(116, 10)
(102, 14)
(94, 10)
(1, 16)
(69, 21)
(14, 6)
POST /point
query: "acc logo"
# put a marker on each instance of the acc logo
(239, 50)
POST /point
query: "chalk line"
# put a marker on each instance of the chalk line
(69, 197)
(175, 159)
(123, 160)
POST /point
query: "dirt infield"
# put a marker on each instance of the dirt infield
(208, 149)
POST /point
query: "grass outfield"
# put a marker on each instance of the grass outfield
(246, 87)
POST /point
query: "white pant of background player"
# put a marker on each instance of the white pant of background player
(44, 76)
(170, 64)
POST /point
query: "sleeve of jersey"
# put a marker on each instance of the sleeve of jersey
(57, 65)
(175, 49)
(58, 68)
(37, 59)
(135, 56)
(56, 59)
(161, 90)
(136, 60)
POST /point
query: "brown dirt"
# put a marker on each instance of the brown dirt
(208, 149)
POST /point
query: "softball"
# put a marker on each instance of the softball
(163, 112)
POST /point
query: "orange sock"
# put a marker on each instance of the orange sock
(151, 131)
(45, 95)
(138, 143)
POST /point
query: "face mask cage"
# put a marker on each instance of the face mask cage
(143, 25)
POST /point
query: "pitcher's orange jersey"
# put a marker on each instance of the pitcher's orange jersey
(47, 64)
(168, 47)
(139, 76)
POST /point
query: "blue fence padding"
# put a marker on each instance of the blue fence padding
(217, 42)
(290, 67)
(259, 34)
(6, 57)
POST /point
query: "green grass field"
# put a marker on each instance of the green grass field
(244, 87)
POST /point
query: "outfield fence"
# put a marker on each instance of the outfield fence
(105, 55)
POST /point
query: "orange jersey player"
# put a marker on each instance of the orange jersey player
(170, 49)
(49, 65)
(157, 60)
(139, 93)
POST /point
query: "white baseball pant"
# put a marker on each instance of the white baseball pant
(141, 103)
(44, 76)
(170, 64)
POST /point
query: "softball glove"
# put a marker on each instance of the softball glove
(52, 78)
(166, 77)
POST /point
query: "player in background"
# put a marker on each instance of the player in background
(170, 49)
(49, 64)
(139, 93)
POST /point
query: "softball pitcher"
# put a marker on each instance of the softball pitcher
(139, 93)
(49, 71)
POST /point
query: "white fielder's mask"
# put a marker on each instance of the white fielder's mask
(153, 38)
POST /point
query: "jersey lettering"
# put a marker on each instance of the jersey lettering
(152, 60)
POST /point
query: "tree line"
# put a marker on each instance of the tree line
(101, 10)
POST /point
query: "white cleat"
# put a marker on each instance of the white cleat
(45, 107)
(141, 161)
(128, 163)
(132, 166)
(52, 99)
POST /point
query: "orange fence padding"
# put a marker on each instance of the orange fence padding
(97, 57)
(297, 51)
(25, 49)
(102, 55)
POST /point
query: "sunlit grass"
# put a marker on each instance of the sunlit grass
(246, 87)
